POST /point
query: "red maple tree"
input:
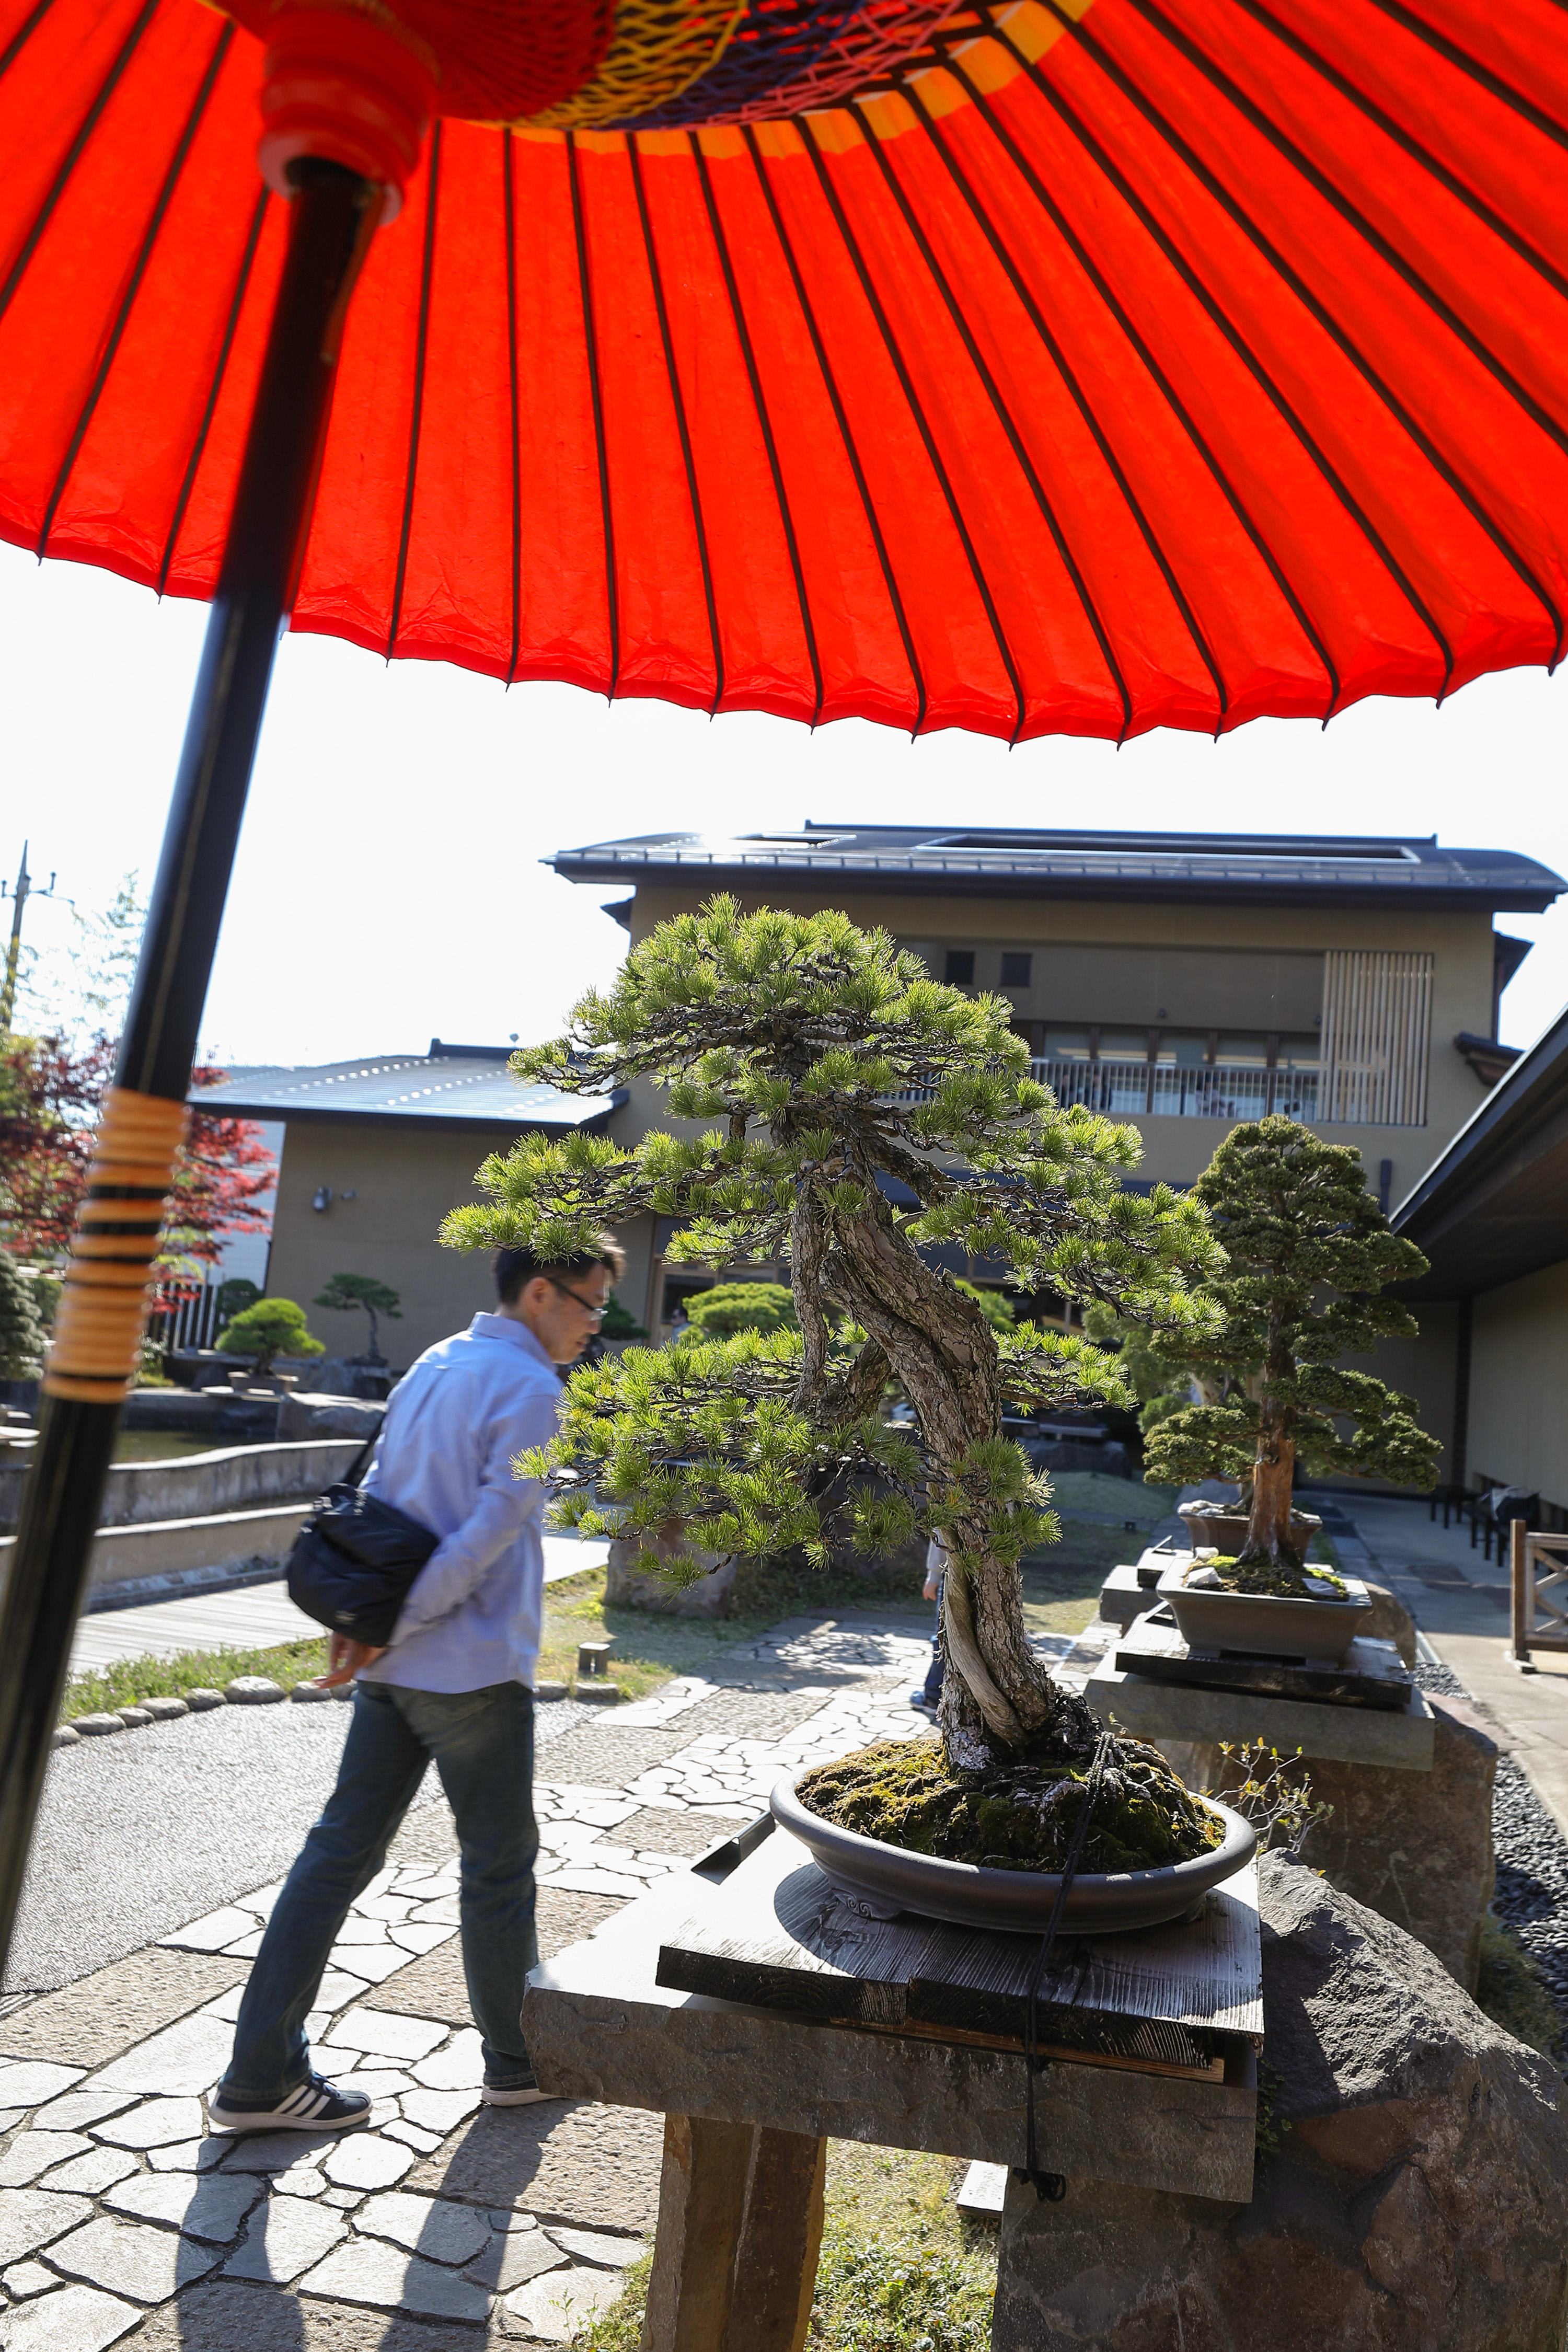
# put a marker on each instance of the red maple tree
(49, 1097)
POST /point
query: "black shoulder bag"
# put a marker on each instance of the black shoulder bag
(355, 1558)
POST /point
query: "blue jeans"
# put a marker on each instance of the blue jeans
(482, 1742)
(937, 1670)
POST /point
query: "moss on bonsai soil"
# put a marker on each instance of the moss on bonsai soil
(904, 1794)
(1279, 1583)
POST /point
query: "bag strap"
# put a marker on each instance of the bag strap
(361, 1462)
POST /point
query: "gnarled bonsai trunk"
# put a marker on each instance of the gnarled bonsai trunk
(1269, 1533)
(997, 1698)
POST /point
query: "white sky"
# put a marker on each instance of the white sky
(388, 887)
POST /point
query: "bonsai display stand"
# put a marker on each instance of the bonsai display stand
(1158, 1691)
(764, 2016)
(1373, 1674)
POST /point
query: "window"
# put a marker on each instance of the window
(1016, 967)
(1377, 1027)
(959, 968)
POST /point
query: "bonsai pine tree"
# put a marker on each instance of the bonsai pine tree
(860, 1112)
(21, 1327)
(346, 1291)
(1309, 1253)
(731, 1306)
(269, 1328)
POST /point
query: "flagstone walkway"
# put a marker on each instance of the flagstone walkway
(444, 2224)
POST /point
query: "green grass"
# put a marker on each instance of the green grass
(1120, 1498)
(1512, 1995)
(128, 1680)
(900, 2269)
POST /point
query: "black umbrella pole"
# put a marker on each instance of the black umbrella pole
(103, 1307)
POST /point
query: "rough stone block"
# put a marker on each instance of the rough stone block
(156, 2123)
(24, 2279)
(99, 1726)
(75, 2319)
(210, 2207)
(165, 1710)
(629, 1587)
(29, 2085)
(186, 2058)
(189, 2155)
(1418, 2201)
(77, 2110)
(103, 2015)
(201, 1699)
(364, 2269)
(514, 2257)
(438, 2111)
(285, 2237)
(31, 2217)
(253, 1690)
(135, 1718)
(364, 2160)
(431, 2226)
(90, 2175)
(1391, 1622)
(554, 2307)
(33, 2152)
(128, 2258)
(593, 2165)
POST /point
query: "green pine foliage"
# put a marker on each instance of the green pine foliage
(1309, 1254)
(21, 1328)
(620, 1323)
(269, 1328)
(733, 1306)
(824, 1060)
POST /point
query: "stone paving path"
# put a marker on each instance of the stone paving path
(444, 2224)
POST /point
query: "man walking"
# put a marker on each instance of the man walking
(453, 1686)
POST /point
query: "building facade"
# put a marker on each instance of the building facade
(1183, 982)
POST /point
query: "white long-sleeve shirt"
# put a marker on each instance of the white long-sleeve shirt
(454, 1422)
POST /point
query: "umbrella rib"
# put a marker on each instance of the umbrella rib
(1173, 400)
(596, 392)
(1101, 439)
(1432, 165)
(73, 156)
(23, 35)
(1005, 418)
(1286, 148)
(900, 368)
(421, 348)
(1324, 316)
(133, 285)
(1461, 60)
(231, 326)
(509, 185)
(764, 422)
(1249, 360)
(873, 522)
(681, 427)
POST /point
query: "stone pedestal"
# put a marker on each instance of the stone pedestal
(1416, 2198)
(629, 1587)
(1414, 1846)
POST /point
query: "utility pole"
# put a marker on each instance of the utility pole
(24, 891)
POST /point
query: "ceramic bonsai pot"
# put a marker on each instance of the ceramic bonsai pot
(884, 1880)
(1273, 1624)
(1226, 1530)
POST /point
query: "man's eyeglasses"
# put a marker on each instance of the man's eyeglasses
(595, 1313)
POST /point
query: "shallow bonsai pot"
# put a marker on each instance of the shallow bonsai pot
(884, 1880)
(1227, 1530)
(1267, 1622)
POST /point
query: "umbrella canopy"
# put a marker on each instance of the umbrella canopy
(1080, 368)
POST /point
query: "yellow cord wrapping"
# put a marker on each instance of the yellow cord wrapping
(103, 1305)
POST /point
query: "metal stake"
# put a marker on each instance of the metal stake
(103, 1313)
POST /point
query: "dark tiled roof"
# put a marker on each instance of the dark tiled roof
(459, 1087)
(1275, 869)
(1494, 1207)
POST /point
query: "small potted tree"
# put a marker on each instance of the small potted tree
(266, 1330)
(1309, 1255)
(863, 1113)
(345, 1294)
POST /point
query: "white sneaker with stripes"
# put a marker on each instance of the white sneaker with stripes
(317, 2106)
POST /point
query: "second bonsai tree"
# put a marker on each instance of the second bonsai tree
(863, 1114)
(1309, 1254)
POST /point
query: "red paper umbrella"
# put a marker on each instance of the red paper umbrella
(1056, 365)
(1088, 370)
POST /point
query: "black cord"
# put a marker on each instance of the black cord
(1051, 2187)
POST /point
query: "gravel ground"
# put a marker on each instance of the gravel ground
(1531, 1895)
(142, 1831)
